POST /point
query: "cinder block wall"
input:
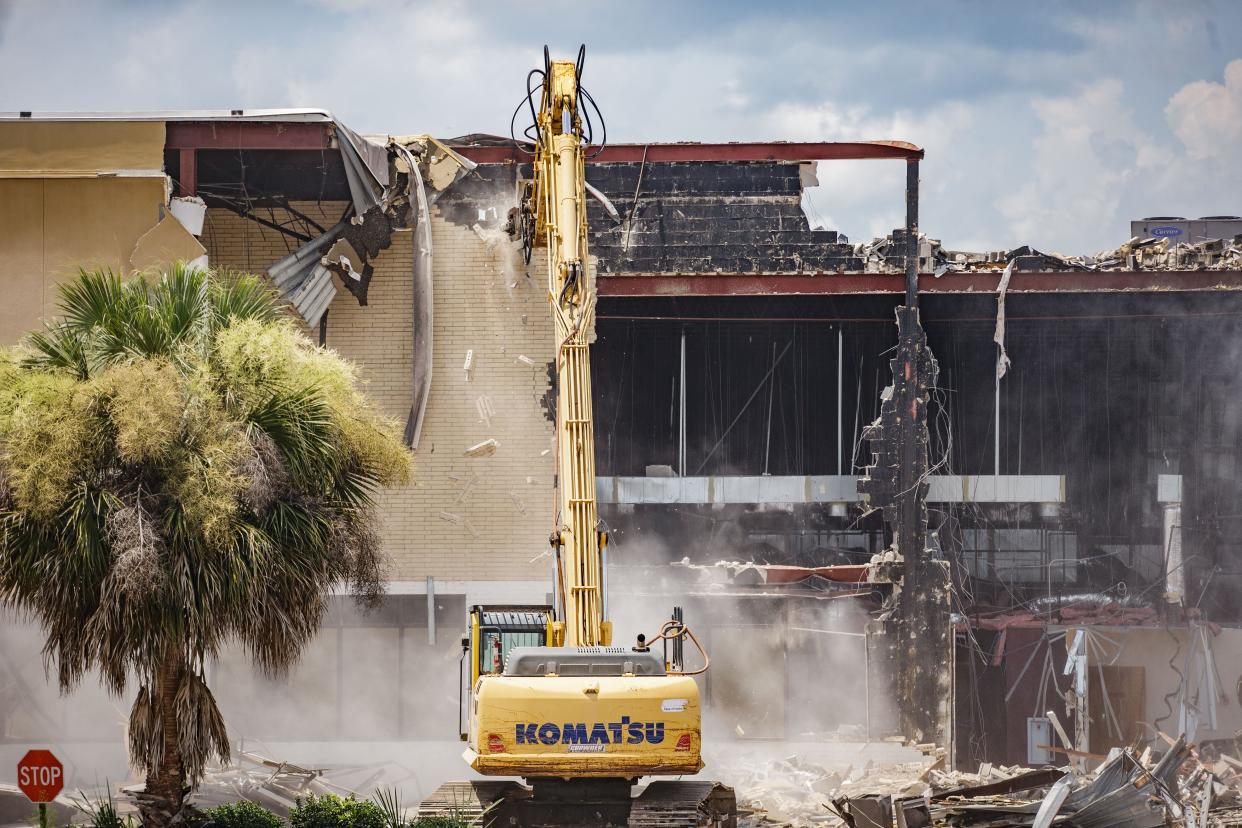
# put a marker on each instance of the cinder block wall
(460, 518)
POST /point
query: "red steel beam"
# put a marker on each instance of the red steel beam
(248, 135)
(761, 151)
(744, 284)
(187, 178)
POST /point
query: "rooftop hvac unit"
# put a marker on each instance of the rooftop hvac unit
(1190, 231)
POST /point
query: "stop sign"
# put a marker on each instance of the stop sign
(40, 775)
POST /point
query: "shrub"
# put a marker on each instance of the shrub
(241, 815)
(439, 822)
(331, 811)
(100, 813)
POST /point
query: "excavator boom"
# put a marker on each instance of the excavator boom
(550, 699)
(558, 194)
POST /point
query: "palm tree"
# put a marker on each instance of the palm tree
(181, 469)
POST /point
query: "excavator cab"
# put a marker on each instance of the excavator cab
(495, 629)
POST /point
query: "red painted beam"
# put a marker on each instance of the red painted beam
(844, 573)
(743, 284)
(187, 178)
(763, 151)
(249, 135)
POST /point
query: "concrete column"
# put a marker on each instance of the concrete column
(1169, 493)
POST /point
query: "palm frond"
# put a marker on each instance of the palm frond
(94, 299)
(200, 726)
(242, 296)
(59, 347)
(299, 423)
(181, 303)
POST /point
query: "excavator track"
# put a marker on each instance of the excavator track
(474, 803)
(681, 804)
(660, 805)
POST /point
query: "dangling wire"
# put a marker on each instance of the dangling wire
(585, 104)
(603, 141)
(528, 101)
(584, 97)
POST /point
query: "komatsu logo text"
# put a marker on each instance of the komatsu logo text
(599, 733)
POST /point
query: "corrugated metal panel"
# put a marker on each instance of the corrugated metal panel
(303, 281)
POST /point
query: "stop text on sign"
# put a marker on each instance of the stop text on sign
(40, 777)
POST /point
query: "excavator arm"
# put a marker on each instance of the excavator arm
(550, 700)
(555, 207)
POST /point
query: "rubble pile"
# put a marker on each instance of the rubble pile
(887, 255)
(277, 785)
(1137, 790)
(796, 792)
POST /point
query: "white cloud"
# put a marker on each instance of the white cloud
(1018, 150)
(869, 196)
(1207, 116)
(1088, 152)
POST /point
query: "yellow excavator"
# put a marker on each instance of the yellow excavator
(551, 700)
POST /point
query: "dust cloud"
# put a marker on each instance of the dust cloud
(790, 670)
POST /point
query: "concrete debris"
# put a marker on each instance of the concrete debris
(484, 449)
(278, 785)
(190, 211)
(887, 255)
(485, 408)
(1139, 790)
(466, 487)
(797, 792)
(468, 365)
(340, 260)
(749, 573)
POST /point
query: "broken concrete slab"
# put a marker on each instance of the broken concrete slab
(167, 242)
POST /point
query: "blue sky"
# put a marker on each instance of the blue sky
(1046, 123)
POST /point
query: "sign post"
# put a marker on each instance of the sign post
(40, 776)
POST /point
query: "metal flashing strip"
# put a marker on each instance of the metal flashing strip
(276, 115)
(829, 488)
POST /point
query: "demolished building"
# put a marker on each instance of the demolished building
(1081, 497)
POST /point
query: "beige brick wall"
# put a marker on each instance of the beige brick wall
(460, 518)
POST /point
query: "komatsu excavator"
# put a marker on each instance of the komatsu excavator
(551, 699)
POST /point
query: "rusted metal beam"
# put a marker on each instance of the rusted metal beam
(912, 233)
(759, 151)
(187, 177)
(752, 284)
(248, 135)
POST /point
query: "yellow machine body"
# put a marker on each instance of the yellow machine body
(611, 726)
(550, 725)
